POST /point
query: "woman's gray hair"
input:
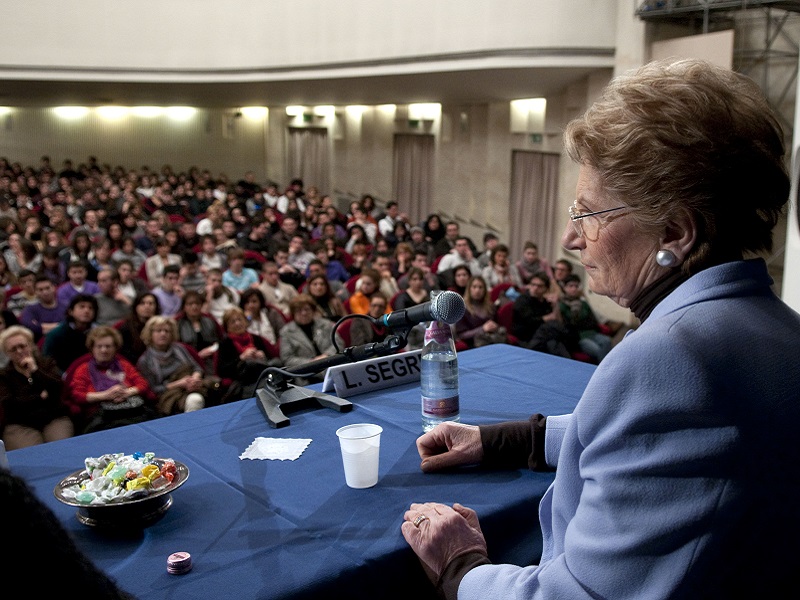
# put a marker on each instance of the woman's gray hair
(689, 136)
(15, 330)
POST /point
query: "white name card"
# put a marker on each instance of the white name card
(373, 374)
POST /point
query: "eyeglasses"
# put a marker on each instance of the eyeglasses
(585, 226)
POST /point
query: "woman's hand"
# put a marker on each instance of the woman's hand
(441, 534)
(28, 366)
(490, 326)
(450, 445)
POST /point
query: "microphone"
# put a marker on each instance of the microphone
(448, 307)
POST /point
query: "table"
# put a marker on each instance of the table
(293, 529)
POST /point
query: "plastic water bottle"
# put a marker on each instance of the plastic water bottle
(439, 375)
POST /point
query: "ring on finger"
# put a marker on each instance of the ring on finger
(419, 519)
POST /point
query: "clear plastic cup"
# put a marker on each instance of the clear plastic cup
(360, 444)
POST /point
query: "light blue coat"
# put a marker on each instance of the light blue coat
(679, 471)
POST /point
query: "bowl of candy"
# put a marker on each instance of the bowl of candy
(122, 491)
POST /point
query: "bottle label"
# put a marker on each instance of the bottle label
(437, 331)
(440, 408)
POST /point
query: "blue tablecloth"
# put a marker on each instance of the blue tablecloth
(279, 529)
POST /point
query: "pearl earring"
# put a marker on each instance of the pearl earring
(665, 258)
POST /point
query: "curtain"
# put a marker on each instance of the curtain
(412, 179)
(534, 203)
(308, 156)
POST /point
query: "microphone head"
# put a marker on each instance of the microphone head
(448, 307)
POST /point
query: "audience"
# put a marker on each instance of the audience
(307, 337)
(581, 322)
(263, 320)
(107, 388)
(242, 355)
(66, 341)
(100, 246)
(144, 306)
(478, 327)
(30, 388)
(197, 329)
(178, 381)
(330, 307)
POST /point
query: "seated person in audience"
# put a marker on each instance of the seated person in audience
(307, 337)
(257, 238)
(276, 292)
(419, 243)
(334, 268)
(537, 319)
(188, 240)
(500, 270)
(531, 263)
(490, 240)
(144, 306)
(34, 526)
(288, 273)
(31, 411)
(76, 283)
(154, 265)
(110, 391)
(129, 283)
(16, 303)
(242, 355)
(382, 263)
(561, 271)
(101, 255)
(299, 255)
(317, 267)
(360, 256)
(112, 304)
(360, 218)
(178, 381)
(363, 331)
(191, 277)
(403, 257)
(237, 276)
(461, 254)
(319, 288)
(431, 279)
(263, 320)
(169, 292)
(415, 293)
(460, 276)
(367, 285)
(46, 314)
(199, 330)
(581, 321)
(129, 251)
(219, 297)
(478, 326)
(210, 257)
(67, 341)
(52, 266)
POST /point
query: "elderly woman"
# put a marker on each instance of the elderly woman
(175, 377)
(106, 387)
(31, 411)
(307, 336)
(677, 471)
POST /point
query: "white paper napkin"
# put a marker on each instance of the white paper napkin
(275, 449)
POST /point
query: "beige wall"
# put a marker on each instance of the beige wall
(226, 39)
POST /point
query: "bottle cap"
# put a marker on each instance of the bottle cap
(179, 563)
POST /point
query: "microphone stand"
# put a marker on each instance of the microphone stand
(279, 394)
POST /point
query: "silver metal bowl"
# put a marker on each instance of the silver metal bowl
(136, 512)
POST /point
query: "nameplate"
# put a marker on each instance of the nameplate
(373, 374)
